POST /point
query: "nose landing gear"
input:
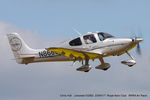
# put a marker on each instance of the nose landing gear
(130, 63)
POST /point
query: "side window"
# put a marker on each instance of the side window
(89, 39)
(101, 37)
(75, 42)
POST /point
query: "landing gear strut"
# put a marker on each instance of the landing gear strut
(86, 67)
(104, 66)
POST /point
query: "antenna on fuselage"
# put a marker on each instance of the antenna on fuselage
(77, 31)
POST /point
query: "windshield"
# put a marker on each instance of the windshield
(102, 36)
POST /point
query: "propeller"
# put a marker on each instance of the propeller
(138, 48)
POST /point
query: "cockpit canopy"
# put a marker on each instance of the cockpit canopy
(89, 38)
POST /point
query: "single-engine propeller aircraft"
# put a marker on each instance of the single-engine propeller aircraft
(90, 46)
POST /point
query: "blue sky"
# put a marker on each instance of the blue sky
(47, 20)
(55, 17)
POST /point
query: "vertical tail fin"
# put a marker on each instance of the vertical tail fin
(20, 48)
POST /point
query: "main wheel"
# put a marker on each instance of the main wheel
(130, 65)
(87, 71)
(105, 69)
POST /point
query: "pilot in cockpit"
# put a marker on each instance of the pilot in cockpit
(89, 40)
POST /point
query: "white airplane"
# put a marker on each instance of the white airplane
(90, 46)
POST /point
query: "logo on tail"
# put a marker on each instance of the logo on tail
(15, 44)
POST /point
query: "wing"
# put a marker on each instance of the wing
(75, 54)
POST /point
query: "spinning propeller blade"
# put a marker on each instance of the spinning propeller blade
(138, 49)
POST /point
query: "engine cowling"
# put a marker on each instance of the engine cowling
(84, 68)
(129, 62)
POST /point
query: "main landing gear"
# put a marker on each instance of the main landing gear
(86, 67)
(104, 66)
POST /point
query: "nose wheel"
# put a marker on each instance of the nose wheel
(131, 62)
